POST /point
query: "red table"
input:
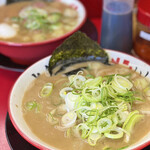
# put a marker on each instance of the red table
(7, 79)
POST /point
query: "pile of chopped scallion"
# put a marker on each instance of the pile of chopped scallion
(36, 18)
(102, 106)
(96, 107)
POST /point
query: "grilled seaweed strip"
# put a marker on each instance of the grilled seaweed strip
(77, 48)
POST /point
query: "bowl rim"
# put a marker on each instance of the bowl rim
(36, 144)
(7, 43)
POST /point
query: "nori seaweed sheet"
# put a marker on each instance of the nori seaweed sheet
(77, 48)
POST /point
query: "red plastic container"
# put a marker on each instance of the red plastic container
(142, 40)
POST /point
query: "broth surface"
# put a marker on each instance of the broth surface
(34, 21)
(57, 138)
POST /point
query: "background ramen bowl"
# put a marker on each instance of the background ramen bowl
(21, 85)
(28, 53)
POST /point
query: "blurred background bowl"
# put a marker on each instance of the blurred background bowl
(23, 82)
(28, 53)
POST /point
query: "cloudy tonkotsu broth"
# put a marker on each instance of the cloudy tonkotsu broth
(52, 132)
(34, 21)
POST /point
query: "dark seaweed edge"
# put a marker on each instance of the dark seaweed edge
(77, 48)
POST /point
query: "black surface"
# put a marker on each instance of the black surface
(7, 64)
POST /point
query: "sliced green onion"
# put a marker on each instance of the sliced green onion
(70, 101)
(32, 11)
(147, 92)
(71, 77)
(32, 24)
(89, 97)
(129, 117)
(120, 84)
(85, 130)
(92, 116)
(85, 133)
(111, 91)
(68, 132)
(16, 19)
(64, 91)
(97, 106)
(51, 119)
(115, 119)
(69, 119)
(93, 137)
(106, 148)
(89, 76)
(33, 105)
(101, 105)
(134, 119)
(117, 135)
(56, 26)
(61, 109)
(93, 82)
(54, 17)
(46, 90)
(103, 125)
(78, 81)
(122, 116)
(103, 94)
(122, 148)
(75, 131)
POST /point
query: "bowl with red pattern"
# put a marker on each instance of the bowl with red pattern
(29, 75)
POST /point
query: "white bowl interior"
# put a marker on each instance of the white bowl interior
(16, 95)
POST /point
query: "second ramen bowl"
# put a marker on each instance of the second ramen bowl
(28, 53)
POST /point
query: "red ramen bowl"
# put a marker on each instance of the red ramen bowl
(28, 53)
(24, 81)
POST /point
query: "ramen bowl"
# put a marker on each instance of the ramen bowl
(30, 52)
(29, 75)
